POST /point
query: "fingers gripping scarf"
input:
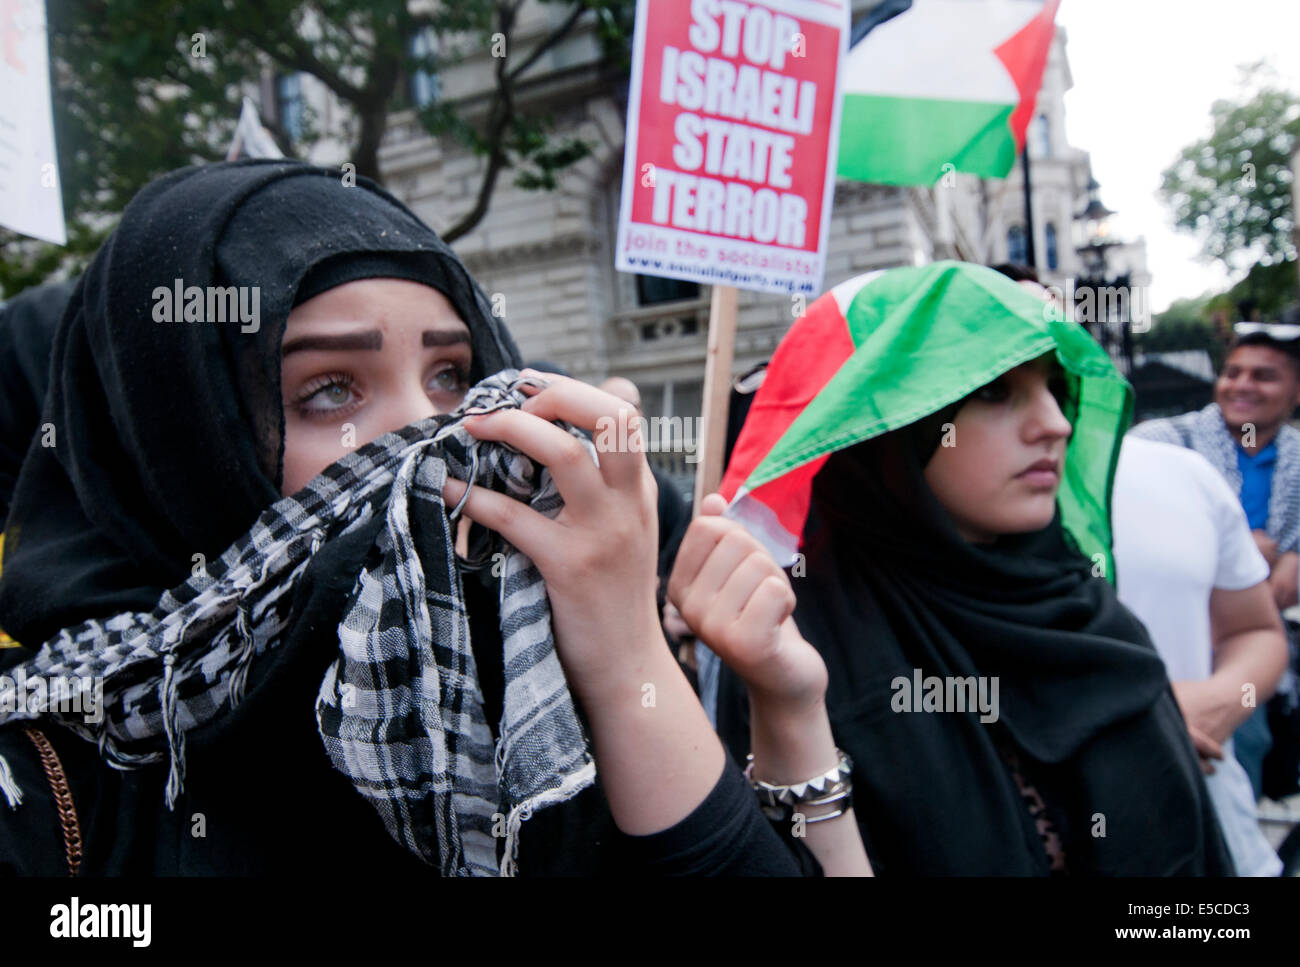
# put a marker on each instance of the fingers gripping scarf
(400, 711)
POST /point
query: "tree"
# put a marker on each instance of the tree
(144, 86)
(1206, 321)
(1233, 189)
(1265, 292)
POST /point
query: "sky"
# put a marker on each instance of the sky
(1145, 74)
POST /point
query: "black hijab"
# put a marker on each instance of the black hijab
(27, 325)
(1084, 705)
(170, 434)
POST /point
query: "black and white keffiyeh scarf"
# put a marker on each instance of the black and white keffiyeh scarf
(1205, 432)
(400, 710)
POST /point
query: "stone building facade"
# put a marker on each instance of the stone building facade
(547, 257)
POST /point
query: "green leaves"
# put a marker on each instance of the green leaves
(543, 163)
(136, 95)
(1233, 189)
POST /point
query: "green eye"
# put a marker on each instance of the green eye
(327, 397)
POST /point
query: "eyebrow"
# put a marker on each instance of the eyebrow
(444, 337)
(369, 339)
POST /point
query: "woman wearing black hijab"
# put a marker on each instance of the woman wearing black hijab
(27, 325)
(208, 540)
(1077, 765)
(1004, 713)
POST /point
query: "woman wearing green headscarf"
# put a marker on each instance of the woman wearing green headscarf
(932, 452)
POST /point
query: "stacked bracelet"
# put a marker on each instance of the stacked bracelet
(781, 803)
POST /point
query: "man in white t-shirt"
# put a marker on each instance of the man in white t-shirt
(1188, 567)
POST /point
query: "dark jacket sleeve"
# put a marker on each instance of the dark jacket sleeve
(726, 835)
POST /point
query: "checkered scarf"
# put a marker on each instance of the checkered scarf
(400, 710)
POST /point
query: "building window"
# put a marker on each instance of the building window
(652, 290)
(1049, 237)
(1017, 251)
(288, 104)
(422, 86)
(1040, 137)
(675, 436)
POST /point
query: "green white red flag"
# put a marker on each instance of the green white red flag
(884, 350)
(943, 86)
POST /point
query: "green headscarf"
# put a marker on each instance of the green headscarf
(884, 350)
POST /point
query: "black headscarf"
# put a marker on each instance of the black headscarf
(27, 325)
(1084, 705)
(170, 434)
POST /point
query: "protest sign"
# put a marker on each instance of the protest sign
(31, 202)
(732, 134)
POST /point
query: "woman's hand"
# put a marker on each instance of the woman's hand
(739, 603)
(598, 555)
(657, 754)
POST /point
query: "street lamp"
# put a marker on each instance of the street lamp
(1104, 301)
(1096, 231)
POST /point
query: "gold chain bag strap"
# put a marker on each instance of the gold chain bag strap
(62, 797)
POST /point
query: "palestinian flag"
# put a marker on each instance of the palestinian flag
(883, 350)
(943, 82)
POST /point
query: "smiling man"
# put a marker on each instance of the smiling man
(1244, 434)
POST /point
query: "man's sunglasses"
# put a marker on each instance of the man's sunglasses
(1274, 330)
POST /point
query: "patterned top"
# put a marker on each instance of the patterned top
(1053, 845)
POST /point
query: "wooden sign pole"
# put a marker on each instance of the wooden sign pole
(717, 392)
